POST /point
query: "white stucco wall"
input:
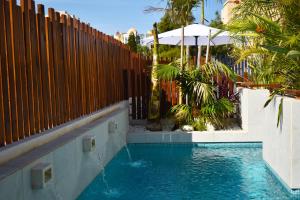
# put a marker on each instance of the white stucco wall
(281, 145)
(73, 169)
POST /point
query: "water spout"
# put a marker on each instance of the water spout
(110, 192)
(126, 147)
(103, 172)
(128, 152)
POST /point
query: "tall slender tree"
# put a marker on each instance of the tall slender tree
(154, 104)
(180, 11)
(132, 43)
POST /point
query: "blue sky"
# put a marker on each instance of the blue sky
(110, 16)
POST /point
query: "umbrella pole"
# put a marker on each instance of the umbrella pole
(199, 55)
(181, 60)
(207, 53)
(208, 46)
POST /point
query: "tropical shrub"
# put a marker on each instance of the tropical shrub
(268, 36)
(202, 105)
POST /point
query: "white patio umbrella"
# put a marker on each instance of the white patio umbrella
(194, 35)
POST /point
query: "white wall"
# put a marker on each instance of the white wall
(281, 145)
(73, 169)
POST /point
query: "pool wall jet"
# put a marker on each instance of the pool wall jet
(281, 145)
(64, 166)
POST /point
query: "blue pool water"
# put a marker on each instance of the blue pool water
(186, 171)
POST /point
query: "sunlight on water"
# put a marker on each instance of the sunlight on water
(112, 193)
(139, 164)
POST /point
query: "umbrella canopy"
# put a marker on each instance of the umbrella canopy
(194, 34)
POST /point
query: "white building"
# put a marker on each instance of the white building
(226, 13)
(123, 37)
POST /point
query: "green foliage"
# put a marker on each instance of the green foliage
(269, 38)
(166, 24)
(279, 114)
(169, 51)
(180, 11)
(271, 98)
(169, 72)
(143, 50)
(215, 111)
(217, 22)
(199, 124)
(204, 106)
(268, 35)
(183, 113)
(132, 43)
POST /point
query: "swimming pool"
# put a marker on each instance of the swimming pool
(187, 171)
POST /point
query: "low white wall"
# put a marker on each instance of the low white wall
(281, 145)
(142, 136)
(73, 169)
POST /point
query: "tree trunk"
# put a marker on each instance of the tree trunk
(202, 19)
(154, 104)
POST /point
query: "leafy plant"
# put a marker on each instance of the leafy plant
(268, 36)
(132, 43)
(271, 98)
(203, 106)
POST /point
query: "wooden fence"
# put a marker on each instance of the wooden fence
(55, 68)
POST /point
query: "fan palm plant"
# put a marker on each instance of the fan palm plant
(268, 35)
(197, 85)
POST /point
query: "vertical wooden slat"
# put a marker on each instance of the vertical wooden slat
(44, 69)
(139, 114)
(38, 72)
(28, 63)
(10, 49)
(34, 62)
(63, 21)
(7, 129)
(51, 82)
(133, 94)
(56, 66)
(77, 66)
(2, 119)
(23, 72)
(2, 125)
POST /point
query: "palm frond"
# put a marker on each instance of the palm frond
(168, 72)
(183, 113)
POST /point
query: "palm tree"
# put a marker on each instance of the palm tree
(180, 12)
(269, 38)
(154, 104)
(204, 107)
